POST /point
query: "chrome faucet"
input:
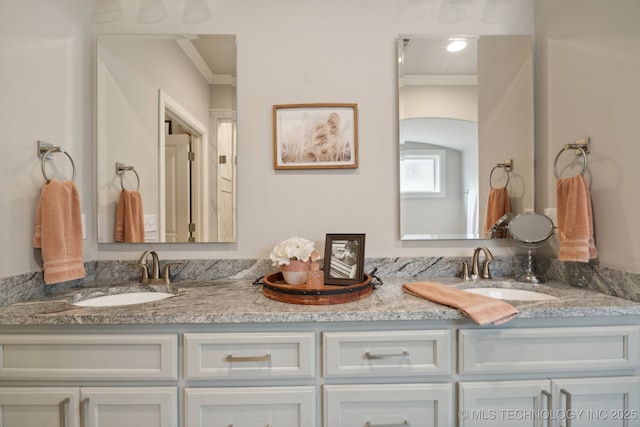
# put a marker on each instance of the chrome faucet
(488, 257)
(154, 276)
(155, 266)
(475, 268)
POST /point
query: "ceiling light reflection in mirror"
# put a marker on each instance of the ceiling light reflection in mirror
(456, 45)
(166, 110)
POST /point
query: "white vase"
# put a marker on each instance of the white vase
(295, 273)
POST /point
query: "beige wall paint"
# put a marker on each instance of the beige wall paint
(456, 102)
(288, 52)
(330, 51)
(588, 84)
(45, 94)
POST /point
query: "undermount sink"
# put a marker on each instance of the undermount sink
(511, 294)
(120, 299)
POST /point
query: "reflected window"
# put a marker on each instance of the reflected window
(422, 173)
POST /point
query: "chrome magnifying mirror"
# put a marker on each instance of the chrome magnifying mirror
(530, 230)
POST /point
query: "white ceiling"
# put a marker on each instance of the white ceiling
(429, 56)
(213, 55)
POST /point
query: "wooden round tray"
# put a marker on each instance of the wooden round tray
(276, 288)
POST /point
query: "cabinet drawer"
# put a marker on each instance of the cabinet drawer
(250, 406)
(39, 406)
(249, 355)
(387, 353)
(129, 406)
(371, 405)
(549, 349)
(89, 357)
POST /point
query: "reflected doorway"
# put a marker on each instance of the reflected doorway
(223, 132)
(184, 188)
(179, 224)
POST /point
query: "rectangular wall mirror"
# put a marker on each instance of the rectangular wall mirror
(166, 126)
(463, 114)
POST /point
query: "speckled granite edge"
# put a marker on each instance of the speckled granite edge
(611, 282)
(608, 281)
(240, 301)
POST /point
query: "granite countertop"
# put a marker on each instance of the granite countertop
(240, 301)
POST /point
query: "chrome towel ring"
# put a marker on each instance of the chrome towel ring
(507, 166)
(582, 152)
(45, 150)
(121, 168)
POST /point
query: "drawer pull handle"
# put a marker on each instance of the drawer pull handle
(567, 397)
(404, 423)
(83, 412)
(63, 407)
(265, 358)
(404, 355)
(549, 406)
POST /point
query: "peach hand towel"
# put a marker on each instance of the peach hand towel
(575, 220)
(129, 218)
(483, 310)
(58, 232)
(498, 204)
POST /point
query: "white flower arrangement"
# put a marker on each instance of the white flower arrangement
(292, 248)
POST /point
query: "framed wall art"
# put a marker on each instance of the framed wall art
(315, 136)
(344, 259)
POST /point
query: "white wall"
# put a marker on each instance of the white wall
(505, 97)
(45, 94)
(588, 84)
(331, 51)
(288, 52)
(456, 102)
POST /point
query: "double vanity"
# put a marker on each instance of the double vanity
(217, 352)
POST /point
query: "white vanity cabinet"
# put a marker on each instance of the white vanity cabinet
(606, 401)
(388, 405)
(250, 358)
(88, 407)
(249, 355)
(118, 362)
(129, 406)
(436, 373)
(387, 353)
(39, 406)
(596, 401)
(399, 356)
(552, 358)
(84, 357)
(292, 406)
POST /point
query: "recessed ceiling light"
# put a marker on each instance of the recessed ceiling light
(456, 45)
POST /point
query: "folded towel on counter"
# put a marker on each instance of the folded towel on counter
(483, 310)
(575, 220)
(58, 232)
(498, 204)
(129, 218)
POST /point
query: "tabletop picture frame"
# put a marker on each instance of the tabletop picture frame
(344, 259)
(315, 136)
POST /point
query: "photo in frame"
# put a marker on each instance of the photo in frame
(315, 136)
(344, 259)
